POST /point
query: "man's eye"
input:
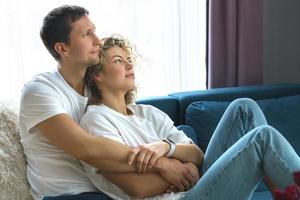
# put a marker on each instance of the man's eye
(86, 34)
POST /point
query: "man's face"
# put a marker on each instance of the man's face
(83, 47)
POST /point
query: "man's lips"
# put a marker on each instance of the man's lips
(96, 51)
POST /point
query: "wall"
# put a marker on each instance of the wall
(281, 59)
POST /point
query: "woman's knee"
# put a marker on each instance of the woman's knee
(267, 131)
(244, 102)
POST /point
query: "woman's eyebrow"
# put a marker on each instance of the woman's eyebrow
(116, 56)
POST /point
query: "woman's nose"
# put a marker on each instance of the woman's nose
(129, 65)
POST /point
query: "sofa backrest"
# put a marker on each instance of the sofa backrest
(168, 104)
(230, 93)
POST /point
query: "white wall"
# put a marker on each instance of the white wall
(281, 57)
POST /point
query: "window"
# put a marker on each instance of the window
(169, 34)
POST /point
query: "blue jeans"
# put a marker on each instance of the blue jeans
(242, 150)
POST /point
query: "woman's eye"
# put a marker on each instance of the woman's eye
(118, 61)
(129, 60)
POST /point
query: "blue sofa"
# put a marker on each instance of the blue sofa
(198, 112)
(202, 110)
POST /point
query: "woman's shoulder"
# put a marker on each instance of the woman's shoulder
(146, 110)
(93, 111)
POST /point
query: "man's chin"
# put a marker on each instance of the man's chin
(94, 62)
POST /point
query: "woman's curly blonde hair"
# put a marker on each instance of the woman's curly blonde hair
(107, 43)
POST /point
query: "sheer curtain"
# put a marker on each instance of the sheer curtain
(169, 34)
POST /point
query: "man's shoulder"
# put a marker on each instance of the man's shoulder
(42, 81)
(42, 78)
(42, 84)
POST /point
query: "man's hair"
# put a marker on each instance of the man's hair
(57, 26)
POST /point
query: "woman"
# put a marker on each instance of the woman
(241, 152)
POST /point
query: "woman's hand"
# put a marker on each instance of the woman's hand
(147, 154)
(181, 175)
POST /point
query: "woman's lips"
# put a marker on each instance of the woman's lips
(130, 76)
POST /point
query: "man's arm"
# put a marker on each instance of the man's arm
(100, 152)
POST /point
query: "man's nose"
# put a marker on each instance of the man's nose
(96, 40)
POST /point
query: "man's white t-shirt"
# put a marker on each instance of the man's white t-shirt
(50, 171)
(147, 124)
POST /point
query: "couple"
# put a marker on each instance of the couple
(126, 150)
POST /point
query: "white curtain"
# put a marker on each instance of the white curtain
(169, 34)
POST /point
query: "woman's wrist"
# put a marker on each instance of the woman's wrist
(172, 147)
(159, 164)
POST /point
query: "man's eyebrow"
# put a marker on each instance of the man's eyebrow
(92, 27)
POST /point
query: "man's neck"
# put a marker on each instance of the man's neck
(74, 76)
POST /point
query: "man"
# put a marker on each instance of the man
(52, 105)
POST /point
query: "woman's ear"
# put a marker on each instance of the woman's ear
(98, 77)
(61, 49)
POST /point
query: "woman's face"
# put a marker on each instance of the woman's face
(118, 71)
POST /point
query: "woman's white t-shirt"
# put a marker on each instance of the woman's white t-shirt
(50, 171)
(147, 124)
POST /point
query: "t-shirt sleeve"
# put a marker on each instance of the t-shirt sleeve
(96, 124)
(165, 127)
(38, 103)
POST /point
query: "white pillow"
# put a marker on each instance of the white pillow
(13, 182)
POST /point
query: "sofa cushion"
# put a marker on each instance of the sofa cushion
(282, 113)
(204, 116)
(189, 131)
(82, 196)
(12, 160)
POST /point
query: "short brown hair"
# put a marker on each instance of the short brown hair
(57, 26)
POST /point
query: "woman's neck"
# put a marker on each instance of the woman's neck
(115, 102)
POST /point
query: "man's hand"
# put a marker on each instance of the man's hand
(182, 176)
(147, 154)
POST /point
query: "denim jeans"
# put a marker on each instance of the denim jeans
(242, 150)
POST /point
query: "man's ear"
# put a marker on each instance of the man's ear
(61, 49)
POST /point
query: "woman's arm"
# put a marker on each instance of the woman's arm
(188, 153)
(138, 185)
(165, 129)
(146, 155)
(165, 173)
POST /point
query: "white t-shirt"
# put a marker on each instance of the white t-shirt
(147, 124)
(50, 171)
